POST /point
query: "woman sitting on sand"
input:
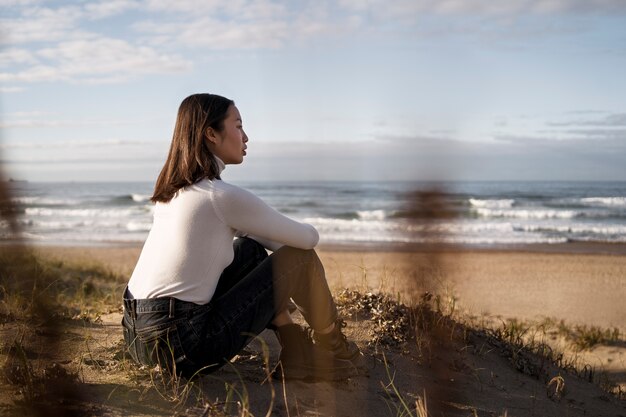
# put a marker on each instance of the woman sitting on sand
(196, 298)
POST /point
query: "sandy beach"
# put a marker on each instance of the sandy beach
(580, 288)
(458, 376)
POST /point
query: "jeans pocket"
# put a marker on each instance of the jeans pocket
(130, 339)
(131, 346)
(161, 345)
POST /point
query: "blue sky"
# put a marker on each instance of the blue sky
(347, 89)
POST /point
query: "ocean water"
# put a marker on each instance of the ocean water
(485, 214)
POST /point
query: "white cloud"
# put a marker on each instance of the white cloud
(14, 56)
(221, 25)
(388, 158)
(63, 43)
(436, 158)
(11, 89)
(262, 9)
(108, 8)
(47, 24)
(38, 121)
(196, 7)
(40, 25)
(482, 7)
(33, 74)
(598, 133)
(217, 34)
(73, 54)
(243, 25)
(610, 120)
(22, 114)
(274, 24)
(96, 60)
(76, 144)
(14, 3)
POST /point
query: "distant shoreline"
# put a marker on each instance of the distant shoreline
(592, 248)
(599, 248)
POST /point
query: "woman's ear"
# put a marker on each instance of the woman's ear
(211, 135)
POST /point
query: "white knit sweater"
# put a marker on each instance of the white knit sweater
(191, 240)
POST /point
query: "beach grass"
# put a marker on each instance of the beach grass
(37, 296)
(34, 286)
(52, 311)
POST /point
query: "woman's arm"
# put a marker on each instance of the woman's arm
(266, 243)
(245, 212)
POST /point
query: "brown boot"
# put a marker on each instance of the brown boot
(301, 359)
(337, 343)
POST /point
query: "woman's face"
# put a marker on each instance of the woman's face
(230, 144)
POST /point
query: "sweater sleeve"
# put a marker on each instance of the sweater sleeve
(266, 243)
(248, 214)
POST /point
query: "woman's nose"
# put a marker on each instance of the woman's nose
(245, 137)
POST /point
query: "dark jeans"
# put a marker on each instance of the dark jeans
(184, 337)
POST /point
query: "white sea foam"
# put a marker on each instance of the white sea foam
(26, 200)
(337, 230)
(371, 214)
(353, 224)
(140, 198)
(530, 213)
(40, 211)
(27, 235)
(61, 224)
(492, 203)
(612, 239)
(605, 201)
(507, 215)
(138, 226)
(20, 235)
(504, 240)
(457, 232)
(577, 228)
(457, 240)
(453, 228)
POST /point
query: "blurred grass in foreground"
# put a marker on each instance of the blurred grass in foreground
(37, 297)
(32, 287)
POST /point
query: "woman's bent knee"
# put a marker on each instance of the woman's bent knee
(302, 255)
(288, 259)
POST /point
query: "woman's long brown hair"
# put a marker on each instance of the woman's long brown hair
(189, 159)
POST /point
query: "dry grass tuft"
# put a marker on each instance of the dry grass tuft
(586, 337)
(37, 292)
(32, 288)
(36, 384)
(390, 319)
(36, 296)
